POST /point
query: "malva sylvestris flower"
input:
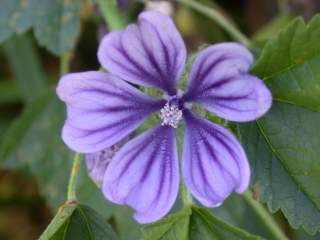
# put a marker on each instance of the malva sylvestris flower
(103, 108)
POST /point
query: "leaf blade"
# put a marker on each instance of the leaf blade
(78, 222)
(26, 67)
(192, 223)
(59, 220)
(63, 17)
(282, 146)
(216, 228)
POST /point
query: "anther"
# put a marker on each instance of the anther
(170, 115)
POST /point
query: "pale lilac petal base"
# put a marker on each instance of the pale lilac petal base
(96, 166)
(98, 162)
(144, 174)
(214, 163)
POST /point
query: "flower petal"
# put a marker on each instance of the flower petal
(101, 110)
(151, 53)
(214, 163)
(144, 174)
(219, 61)
(96, 165)
(98, 162)
(219, 82)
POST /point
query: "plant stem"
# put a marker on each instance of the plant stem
(73, 177)
(216, 16)
(265, 217)
(71, 195)
(185, 195)
(111, 14)
(65, 63)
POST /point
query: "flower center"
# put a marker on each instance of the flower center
(170, 115)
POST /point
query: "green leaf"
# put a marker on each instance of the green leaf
(20, 127)
(242, 216)
(75, 221)
(290, 64)
(173, 227)
(64, 214)
(283, 146)
(205, 226)
(302, 235)
(192, 223)
(56, 23)
(26, 67)
(15, 17)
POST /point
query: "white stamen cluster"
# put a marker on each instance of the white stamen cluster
(170, 115)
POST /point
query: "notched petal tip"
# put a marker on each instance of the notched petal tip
(148, 217)
(67, 82)
(150, 14)
(220, 82)
(214, 163)
(254, 100)
(241, 98)
(217, 62)
(264, 98)
(144, 174)
(150, 53)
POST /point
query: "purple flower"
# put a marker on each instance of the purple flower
(103, 108)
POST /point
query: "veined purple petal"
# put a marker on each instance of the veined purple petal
(241, 98)
(214, 163)
(151, 53)
(219, 81)
(217, 62)
(144, 174)
(101, 110)
(98, 162)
